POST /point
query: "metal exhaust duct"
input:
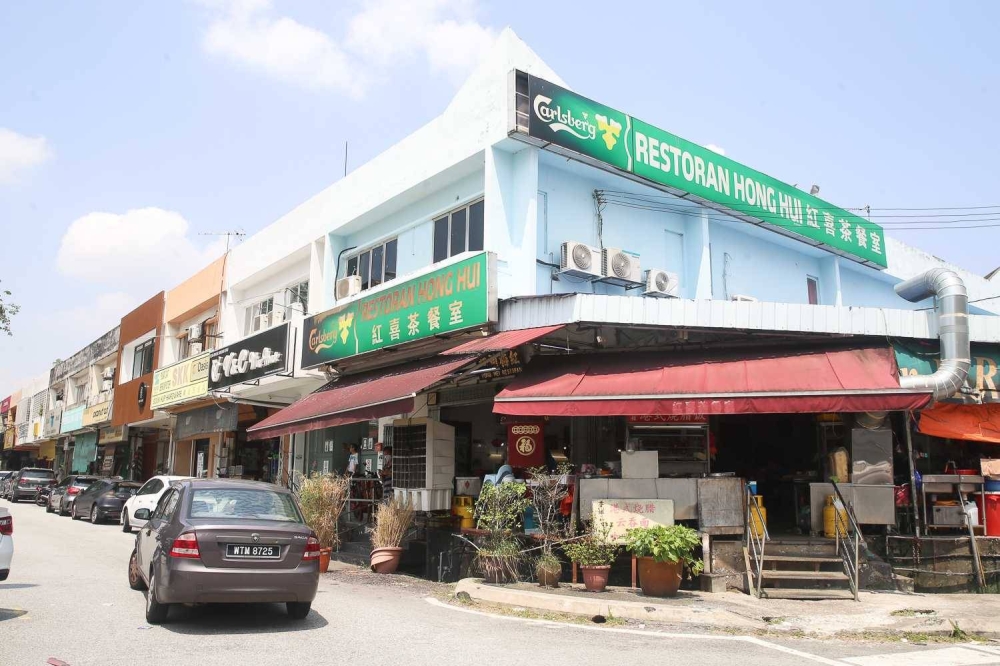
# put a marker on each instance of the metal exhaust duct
(952, 308)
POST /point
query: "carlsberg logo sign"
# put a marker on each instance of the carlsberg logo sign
(580, 126)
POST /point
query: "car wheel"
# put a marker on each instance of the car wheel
(94, 518)
(48, 508)
(135, 580)
(155, 611)
(72, 512)
(126, 526)
(297, 610)
(62, 509)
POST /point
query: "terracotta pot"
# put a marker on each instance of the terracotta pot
(659, 579)
(324, 559)
(386, 560)
(548, 577)
(595, 579)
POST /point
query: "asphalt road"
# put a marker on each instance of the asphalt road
(68, 598)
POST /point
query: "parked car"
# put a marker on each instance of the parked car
(146, 498)
(5, 475)
(26, 482)
(224, 541)
(103, 500)
(65, 492)
(6, 542)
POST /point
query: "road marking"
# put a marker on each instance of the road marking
(648, 634)
(953, 656)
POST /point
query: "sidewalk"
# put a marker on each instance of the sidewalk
(889, 614)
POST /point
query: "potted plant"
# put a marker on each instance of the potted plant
(594, 553)
(547, 494)
(392, 522)
(498, 512)
(663, 552)
(322, 498)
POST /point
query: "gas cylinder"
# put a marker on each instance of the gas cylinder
(831, 509)
(758, 522)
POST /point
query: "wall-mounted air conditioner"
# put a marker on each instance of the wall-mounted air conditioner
(278, 315)
(620, 267)
(109, 373)
(743, 298)
(194, 332)
(262, 321)
(661, 283)
(107, 384)
(348, 286)
(195, 348)
(579, 260)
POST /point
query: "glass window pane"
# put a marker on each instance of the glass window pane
(812, 288)
(364, 262)
(457, 232)
(390, 260)
(136, 365)
(440, 239)
(476, 227)
(377, 265)
(352, 266)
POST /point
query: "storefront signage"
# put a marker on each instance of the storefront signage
(257, 356)
(72, 419)
(525, 444)
(653, 419)
(622, 515)
(505, 364)
(984, 373)
(5, 405)
(451, 298)
(181, 381)
(97, 413)
(111, 435)
(140, 396)
(566, 119)
(214, 418)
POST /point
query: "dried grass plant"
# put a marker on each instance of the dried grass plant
(323, 497)
(392, 521)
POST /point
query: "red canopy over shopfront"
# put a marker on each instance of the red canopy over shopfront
(503, 341)
(363, 397)
(743, 382)
(971, 423)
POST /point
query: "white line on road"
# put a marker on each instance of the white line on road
(648, 634)
(953, 656)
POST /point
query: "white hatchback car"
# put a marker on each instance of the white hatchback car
(6, 542)
(146, 498)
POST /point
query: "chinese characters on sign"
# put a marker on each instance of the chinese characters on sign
(624, 514)
(451, 298)
(505, 364)
(525, 445)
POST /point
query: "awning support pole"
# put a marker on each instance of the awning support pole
(913, 476)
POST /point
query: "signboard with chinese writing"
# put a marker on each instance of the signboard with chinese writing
(624, 514)
(923, 359)
(265, 353)
(450, 298)
(624, 142)
(680, 419)
(181, 381)
(72, 419)
(97, 414)
(505, 364)
(525, 445)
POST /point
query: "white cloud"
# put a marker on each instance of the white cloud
(148, 249)
(716, 149)
(378, 37)
(20, 154)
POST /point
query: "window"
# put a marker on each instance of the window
(167, 505)
(142, 359)
(298, 293)
(190, 347)
(812, 289)
(375, 265)
(259, 315)
(238, 504)
(459, 231)
(152, 487)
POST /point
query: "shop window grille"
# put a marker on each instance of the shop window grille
(467, 394)
(409, 456)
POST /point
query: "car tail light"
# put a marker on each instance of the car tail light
(23, 482)
(186, 545)
(73, 490)
(7, 525)
(312, 549)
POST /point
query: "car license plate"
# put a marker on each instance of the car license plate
(252, 552)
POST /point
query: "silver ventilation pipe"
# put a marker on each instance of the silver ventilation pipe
(952, 308)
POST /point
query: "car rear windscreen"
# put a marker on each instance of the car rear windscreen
(83, 483)
(243, 504)
(38, 475)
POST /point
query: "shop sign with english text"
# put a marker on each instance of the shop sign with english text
(260, 355)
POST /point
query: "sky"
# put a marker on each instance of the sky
(132, 134)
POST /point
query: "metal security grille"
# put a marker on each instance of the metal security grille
(409, 456)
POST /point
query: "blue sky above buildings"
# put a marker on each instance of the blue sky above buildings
(208, 116)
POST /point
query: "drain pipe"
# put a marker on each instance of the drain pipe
(952, 308)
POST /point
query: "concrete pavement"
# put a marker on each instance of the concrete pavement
(68, 598)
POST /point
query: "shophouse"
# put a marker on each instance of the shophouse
(8, 414)
(29, 412)
(81, 387)
(138, 358)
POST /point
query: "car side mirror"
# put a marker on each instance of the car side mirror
(142, 514)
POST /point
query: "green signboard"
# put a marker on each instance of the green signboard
(923, 359)
(449, 298)
(574, 122)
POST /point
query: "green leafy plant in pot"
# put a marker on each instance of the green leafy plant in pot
(662, 554)
(547, 494)
(594, 553)
(499, 511)
(322, 498)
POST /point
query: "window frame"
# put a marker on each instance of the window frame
(141, 349)
(812, 281)
(449, 237)
(363, 262)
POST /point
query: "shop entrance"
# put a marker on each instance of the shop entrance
(201, 457)
(782, 453)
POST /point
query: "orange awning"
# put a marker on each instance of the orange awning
(972, 423)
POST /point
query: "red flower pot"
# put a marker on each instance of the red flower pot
(386, 560)
(595, 579)
(659, 579)
(324, 559)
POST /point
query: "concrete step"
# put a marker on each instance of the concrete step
(805, 559)
(804, 575)
(805, 595)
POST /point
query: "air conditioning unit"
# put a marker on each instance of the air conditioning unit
(579, 260)
(742, 298)
(620, 267)
(195, 348)
(661, 283)
(277, 315)
(194, 332)
(107, 384)
(262, 321)
(348, 286)
(109, 373)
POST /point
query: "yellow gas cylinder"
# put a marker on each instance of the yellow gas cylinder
(830, 511)
(461, 506)
(758, 520)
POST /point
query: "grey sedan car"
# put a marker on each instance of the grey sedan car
(224, 541)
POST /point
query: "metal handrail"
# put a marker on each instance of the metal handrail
(754, 545)
(850, 553)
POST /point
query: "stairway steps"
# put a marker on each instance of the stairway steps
(804, 575)
(807, 559)
(806, 595)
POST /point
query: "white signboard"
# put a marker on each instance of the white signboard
(624, 514)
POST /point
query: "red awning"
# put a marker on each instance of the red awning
(354, 399)
(503, 341)
(773, 382)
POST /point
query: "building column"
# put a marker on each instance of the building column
(697, 279)
(511, 216)
(829, 281)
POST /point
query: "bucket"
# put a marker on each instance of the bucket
(992, 514)
(992, 486)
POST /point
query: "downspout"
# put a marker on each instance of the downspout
(952, 308)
